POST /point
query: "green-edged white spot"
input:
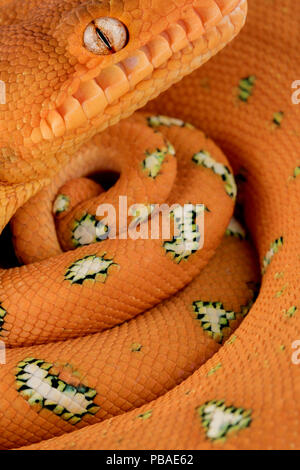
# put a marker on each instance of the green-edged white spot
(154, 160)
(278, 118)
(291, 312)
(213, 318)
(3, 314)
(220, 420)
(89, 230)
(203, 158)
(42, 388)
(61, 204)
(136, 347)
(235, 229)
(145, 415)
(91, 267)
(232, 339)
(281, 291)
(187, 242)
(296, 172)
(279, 275)
(215, 369)
(275, 246)
(158, 121)
(246, 86)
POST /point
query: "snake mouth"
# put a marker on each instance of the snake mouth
(145, 73)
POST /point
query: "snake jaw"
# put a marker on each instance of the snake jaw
(75, 94)
(97, 91)
(137, 75)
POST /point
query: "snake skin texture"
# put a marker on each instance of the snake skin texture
(141, 344)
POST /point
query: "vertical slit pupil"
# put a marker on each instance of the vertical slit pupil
(103, 38)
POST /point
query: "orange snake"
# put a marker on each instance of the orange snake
(174, 377)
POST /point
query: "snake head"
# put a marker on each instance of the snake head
(71, 68)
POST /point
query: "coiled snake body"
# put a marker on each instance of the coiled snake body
(169, 372)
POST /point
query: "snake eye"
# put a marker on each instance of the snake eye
(105, 36)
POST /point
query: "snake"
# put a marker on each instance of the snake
(163, 342)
